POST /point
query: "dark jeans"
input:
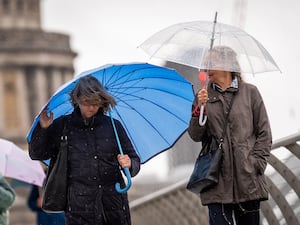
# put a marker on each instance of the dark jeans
(245, 213)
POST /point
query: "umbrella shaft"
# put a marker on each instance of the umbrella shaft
(213, 33)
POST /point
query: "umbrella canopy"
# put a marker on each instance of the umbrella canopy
(16, 164)
(188, 44)
(153, 104)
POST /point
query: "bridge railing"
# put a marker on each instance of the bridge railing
(175, 205)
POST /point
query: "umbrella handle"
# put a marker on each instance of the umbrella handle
(202, 117)
(126, 188)
(126, 170)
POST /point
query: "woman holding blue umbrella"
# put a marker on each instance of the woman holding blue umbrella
(93, 155)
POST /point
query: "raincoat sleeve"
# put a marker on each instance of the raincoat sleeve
(262, 131)
(7, 195)
(196, 131)
(129, 150)
(44, 143)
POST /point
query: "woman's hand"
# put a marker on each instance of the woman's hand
(124, 161)
(45, 120)
(202, 96)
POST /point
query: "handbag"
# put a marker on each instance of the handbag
(206, 170)
(207, 166)
(55, 186)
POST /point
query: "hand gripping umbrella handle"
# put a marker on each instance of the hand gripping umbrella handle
(202, 117)
(203, 80)
(126, 170)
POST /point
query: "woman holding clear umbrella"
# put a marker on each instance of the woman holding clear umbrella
(247, 143)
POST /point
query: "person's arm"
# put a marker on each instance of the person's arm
(196, 131)
(128, 149)
(262, 131)
(7, 195)
(32, 199)
(44, 141)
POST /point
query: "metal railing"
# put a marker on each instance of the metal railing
(175, 205)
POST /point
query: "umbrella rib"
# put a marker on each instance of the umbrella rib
(147, 122)
(163, 108)
(247, 55)
(119, 82)
(162, 44)
(127, 131)
(139, 89)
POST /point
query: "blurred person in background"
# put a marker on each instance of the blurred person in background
(7, 198)
(34, 202)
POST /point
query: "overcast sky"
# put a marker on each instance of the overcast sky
(109, 31)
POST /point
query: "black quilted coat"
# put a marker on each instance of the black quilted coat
(92, 167)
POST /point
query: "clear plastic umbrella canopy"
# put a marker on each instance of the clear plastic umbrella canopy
(191, 43)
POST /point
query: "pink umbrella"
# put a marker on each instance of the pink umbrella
(16, 164)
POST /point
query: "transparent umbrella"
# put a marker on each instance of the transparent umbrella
(197, 44)
(188, 44)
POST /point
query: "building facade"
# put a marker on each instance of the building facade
(33, 64)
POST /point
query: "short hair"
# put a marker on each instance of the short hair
(94, 93)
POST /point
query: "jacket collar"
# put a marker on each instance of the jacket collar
(79, 121)
(234, 84)
(215, 92)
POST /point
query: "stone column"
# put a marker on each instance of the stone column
(10, 109)
(56, 79)
(42, 89)
(22, 102)
(67, 75)
(2, 97)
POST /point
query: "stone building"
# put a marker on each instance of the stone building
(33, 64)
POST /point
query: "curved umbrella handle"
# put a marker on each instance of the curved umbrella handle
(202, 117)
(126, 188)
(126, 170)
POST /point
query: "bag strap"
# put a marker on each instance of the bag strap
(64, 137)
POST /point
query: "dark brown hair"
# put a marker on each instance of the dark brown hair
(93, 92)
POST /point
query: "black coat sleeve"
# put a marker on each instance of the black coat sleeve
(44, 142)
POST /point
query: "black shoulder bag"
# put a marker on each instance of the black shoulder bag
(55, 186)
(207, 166)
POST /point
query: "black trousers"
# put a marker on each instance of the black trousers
(245, 213)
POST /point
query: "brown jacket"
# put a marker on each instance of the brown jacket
(246, 146)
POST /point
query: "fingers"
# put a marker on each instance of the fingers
(124, 161)
(203, 96)
(45, 119)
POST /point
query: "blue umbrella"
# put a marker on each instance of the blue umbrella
(153, 104)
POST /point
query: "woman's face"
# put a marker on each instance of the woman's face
(217, 76)
(87, 109)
